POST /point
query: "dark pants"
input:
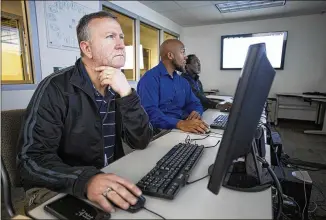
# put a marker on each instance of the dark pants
(37, 196)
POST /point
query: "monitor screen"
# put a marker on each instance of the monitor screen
(234, 49)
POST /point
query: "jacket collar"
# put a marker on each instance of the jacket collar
(192, 76)
(83, 82)
(79, 80)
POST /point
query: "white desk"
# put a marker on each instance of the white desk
(193, 201)
(321, 107)
(297, 106)
(224, 97)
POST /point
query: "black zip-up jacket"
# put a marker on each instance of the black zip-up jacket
(61, 140)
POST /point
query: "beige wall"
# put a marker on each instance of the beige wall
(305, 56)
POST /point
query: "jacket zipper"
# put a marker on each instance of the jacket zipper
(98, 116)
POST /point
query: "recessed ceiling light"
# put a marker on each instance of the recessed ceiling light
(233, 6)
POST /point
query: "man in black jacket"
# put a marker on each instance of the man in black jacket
(192, 76)
(76, 119)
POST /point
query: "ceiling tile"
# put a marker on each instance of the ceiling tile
(146, 2)
(180, 17)
(211, 12)
(265, 12)
(161, 6)
(191, 4)
(308, 6)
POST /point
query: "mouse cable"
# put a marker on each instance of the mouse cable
(212, 132)
(188, 140)
(213, 145)
(198, 139)
(153, 213)
(188, 183)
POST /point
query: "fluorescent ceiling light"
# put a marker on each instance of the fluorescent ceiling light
(233, 6)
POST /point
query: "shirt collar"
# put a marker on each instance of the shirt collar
(163, 70)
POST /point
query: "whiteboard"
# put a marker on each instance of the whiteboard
(62, 18)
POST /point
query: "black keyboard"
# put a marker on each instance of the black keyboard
(171, 172)
(220, 122)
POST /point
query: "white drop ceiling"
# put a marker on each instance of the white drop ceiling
(194, 13)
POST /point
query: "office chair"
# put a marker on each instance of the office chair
(10, 127)
(6, 190)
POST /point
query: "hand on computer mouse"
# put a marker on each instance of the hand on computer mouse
(194, 126)
(194, 115)
(105, 189)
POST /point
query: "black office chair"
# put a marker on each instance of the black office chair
(10, 127)
(6, 190)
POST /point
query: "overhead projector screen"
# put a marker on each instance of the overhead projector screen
(234, 49)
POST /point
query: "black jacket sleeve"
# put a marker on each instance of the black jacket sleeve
(207, 103)
(38, 162)
(137, 130)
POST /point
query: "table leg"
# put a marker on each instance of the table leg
(321, 132)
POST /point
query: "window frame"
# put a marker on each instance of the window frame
(171, 33)
(20, 23)
(138, 20)
(34, 53)
(152, 25)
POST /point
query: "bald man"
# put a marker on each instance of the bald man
(167, 97)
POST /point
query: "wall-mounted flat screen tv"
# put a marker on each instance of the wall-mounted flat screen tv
(234, 48)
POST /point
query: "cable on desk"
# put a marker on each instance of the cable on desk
(213, 145)
(191, 182)
(198, 139)
(212, 132)
(154, 213)
(188, 140)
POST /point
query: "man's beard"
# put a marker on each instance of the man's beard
(178, 67)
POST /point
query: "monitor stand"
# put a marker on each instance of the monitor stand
(246, 176)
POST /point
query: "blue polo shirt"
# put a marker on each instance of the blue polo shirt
(166, 99)
(106, 109)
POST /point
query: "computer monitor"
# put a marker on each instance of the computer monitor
(255, 81)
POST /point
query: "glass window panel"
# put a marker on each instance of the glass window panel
(128, 28)
(169, 36)
(149, 46)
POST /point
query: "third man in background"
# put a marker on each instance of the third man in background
(193, 69)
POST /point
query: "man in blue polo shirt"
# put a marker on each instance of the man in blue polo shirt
(166, 96)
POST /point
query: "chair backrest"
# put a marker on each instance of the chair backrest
(11, 122)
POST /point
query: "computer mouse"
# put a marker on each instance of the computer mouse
(138, 206)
